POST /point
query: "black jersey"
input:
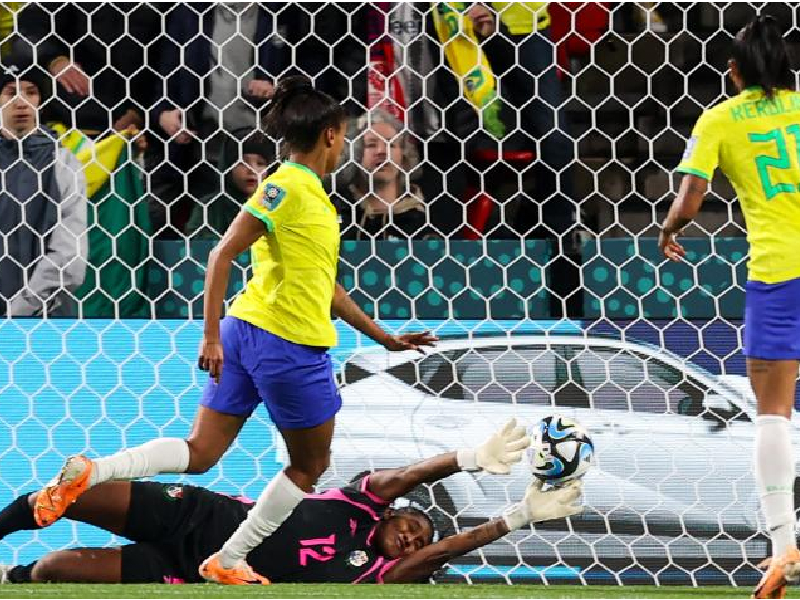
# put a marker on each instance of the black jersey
(328, 538)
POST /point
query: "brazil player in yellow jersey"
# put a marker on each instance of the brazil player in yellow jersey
(754, 138)
(272, 347)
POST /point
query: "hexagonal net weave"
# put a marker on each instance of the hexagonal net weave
(504, 178)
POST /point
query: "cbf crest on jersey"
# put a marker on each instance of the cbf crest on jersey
(273, 196)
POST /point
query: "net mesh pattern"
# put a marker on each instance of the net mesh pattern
(505, 174)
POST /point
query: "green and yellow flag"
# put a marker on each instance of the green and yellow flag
(119, 227)
(466, 59)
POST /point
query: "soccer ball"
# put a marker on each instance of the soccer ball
(561, 450)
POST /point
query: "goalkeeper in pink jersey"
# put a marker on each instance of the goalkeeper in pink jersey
(345, 535)
(754, 138)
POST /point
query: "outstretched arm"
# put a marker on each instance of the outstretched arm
(683, 210)
(537, 506)
(421, 565)
(495, 455)
(349, 312)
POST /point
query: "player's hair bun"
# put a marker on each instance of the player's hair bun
(299, 112)
(287, 91)
(288, 86)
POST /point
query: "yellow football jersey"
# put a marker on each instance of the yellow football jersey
(294, 263)
(756, 143)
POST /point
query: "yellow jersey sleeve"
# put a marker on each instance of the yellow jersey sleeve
(701, 156)
(272, 205)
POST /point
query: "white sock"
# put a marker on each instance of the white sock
(164, 455)
(274, 505)
(775, 479)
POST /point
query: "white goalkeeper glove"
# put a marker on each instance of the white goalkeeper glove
(498, 453)
(539, 505)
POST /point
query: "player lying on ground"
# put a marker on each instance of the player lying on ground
(342, 535)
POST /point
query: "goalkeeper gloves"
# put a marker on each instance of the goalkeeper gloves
(538, 505)
(498, 453)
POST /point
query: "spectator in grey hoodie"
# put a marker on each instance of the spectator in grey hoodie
(43, 243)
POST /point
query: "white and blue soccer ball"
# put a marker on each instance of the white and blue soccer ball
(561, 450)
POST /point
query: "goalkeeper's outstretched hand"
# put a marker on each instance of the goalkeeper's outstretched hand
(498, 453)
(540, 505)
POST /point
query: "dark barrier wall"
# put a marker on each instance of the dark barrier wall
(496, 279)
(628, 278)
(391, 280)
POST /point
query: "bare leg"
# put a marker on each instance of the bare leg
(104, 506)
(309, 453)
(212, 434)
(82, 565)
(774, 384)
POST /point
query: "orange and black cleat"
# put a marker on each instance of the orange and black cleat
(242, 574)
(780, 572)
(54, 500)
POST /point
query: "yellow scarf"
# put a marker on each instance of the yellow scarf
(99, 158)
(464, 55)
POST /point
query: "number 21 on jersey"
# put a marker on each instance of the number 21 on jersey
(783, 162)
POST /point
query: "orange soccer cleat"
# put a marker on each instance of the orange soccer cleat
(242, 574)
(54, 500)
(780, 572)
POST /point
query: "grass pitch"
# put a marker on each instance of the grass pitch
(306, 590)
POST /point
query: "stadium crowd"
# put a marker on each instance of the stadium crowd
(162, 103)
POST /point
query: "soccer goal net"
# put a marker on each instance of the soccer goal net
(506, 169)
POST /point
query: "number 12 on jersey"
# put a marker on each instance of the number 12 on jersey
(764, 161)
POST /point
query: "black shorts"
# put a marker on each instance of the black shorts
(147, 563)
(174, 528)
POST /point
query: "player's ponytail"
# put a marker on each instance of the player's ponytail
(761, 56)
(298, 113)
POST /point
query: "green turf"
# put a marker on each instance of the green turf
(365, 591)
